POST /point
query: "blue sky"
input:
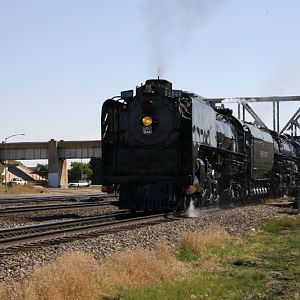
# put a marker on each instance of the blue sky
(59, 60)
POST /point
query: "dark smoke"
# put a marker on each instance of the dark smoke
(170, 25)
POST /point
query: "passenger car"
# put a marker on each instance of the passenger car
(79, 183)
(17, 181)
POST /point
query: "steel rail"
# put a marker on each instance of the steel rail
(56, 198)
(37, 208)
(64, 223)
(38, 238)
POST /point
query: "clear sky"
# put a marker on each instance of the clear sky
(60, 59)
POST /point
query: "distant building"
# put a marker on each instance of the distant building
(19, 171)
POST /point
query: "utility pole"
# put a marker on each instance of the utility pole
(6, 160)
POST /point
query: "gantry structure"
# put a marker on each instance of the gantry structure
(244, 105)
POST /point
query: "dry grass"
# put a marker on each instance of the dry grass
(201, 240)
(71, 276)
(9, 291)
(77, 276)
(4, 291)
(139, 268)
(21, 189)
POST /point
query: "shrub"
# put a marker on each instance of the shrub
(71, 276)
(139, 268)
(201, 240)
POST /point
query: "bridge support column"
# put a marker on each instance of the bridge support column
(63, 167)
(57, 168)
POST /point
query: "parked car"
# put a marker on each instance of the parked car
(79, 183)
(17, 181)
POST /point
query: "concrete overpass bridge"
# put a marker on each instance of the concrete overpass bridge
(57, 153)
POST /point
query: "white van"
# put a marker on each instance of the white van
(18, 181)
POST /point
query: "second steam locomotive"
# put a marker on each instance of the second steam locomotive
(163, 147)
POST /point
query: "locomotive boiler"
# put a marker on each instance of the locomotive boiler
(163, 147)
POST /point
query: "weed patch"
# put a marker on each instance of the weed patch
(204, 239)
(262, 266)
(210, 264)
(284, 224)
(139, 268)
(204, 285)
(186, 254)
(71, 276)
(21, 189)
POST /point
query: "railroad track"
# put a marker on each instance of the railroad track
(70, 198)
(33, 236)
(37, 208)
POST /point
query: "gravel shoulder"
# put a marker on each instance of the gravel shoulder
(236, 221)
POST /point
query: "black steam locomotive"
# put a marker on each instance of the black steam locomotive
(163, 147)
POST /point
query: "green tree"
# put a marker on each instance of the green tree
(95, 165)
(41, 169)
(79, 171)
(1, 171)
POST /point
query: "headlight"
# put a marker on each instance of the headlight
(147, 121)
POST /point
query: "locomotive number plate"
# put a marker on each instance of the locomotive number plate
(147, 130)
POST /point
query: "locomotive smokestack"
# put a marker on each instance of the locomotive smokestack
(160, 83)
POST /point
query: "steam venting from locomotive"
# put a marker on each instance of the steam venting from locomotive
(192, 211)
(170, 26)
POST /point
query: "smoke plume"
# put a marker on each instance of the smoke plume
(170, 25)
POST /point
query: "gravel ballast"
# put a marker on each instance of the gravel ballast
(235, 221)
(39, 217)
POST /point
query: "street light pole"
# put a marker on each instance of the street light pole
(5, 153)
